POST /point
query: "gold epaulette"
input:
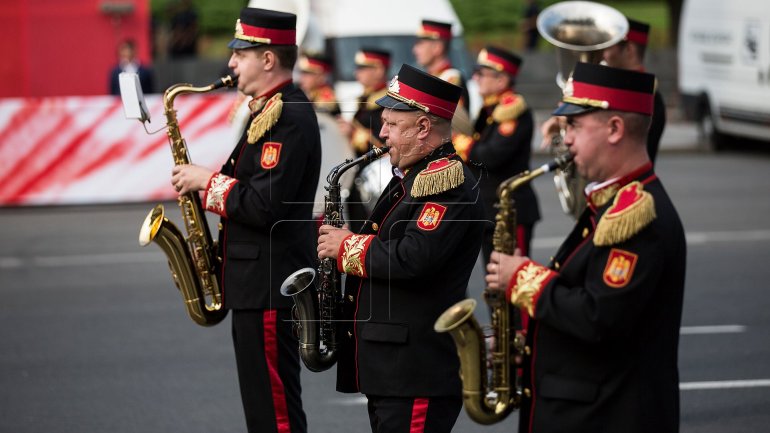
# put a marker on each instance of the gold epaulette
(439, 176)
(632, 210)
(510, 107)
(371, 100)
(266, 119)
(325, 94)
(452, 76)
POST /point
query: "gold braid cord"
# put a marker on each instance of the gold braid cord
(632, 210)
(440, 175)
(266, 119)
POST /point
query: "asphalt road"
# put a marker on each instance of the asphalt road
(94, 336)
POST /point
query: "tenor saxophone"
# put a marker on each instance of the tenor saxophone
(491, 385)
(191, 258)
(316, 309)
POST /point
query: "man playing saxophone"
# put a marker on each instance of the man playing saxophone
(411, 260)
(264, 194)
(601, 348)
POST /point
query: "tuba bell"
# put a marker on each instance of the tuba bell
(580, 30)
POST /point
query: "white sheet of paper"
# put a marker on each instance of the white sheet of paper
(132, 96)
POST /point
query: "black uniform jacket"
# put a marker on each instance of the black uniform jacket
(265, 192)
(606, 323)
(503, 146)
(417, 255)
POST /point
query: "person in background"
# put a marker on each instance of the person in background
(128, 62)
(529, 25)
(372, 66)
(314, 71)
(264, 195)
(629, 54)
(183, 42)
(602, 344)
(408, 264)
(431, 50)
(502, 142)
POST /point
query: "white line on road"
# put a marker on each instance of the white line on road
(683, 386)
(714, 329)
(693, 238)
(724, 384)
(11, 262)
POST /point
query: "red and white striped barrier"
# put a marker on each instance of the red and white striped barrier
(76, 150)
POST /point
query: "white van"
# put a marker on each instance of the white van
(724, 68)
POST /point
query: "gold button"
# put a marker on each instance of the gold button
(556, 265)
(527, 350)
(350, 298)
(220, 226)
(219, 259)
(490, 120)
(350, 334)
(476, 135)
(375, 226)
(527, 393)
(232, 161)
(585, 232)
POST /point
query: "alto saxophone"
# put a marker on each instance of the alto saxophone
(190, 259)
(317, 308)
(491, 387)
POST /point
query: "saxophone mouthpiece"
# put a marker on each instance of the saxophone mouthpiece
(559, 162)
(376, 153)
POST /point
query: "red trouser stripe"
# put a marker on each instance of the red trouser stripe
(419, 412)
(271, 356)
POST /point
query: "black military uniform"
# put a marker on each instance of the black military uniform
(602, 342)
(406, 266)
(367, 123)
(503, 145)
(264, 194)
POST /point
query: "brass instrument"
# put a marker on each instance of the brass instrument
(317, 308)
(580, 30)
(491, 385)
(191, 258)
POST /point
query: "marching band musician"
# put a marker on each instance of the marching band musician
(264, 194)
(629, 54)
(372, 66)
(502, 142)
(431, 50)
(410, 262)
(314, 71)
(601, 349)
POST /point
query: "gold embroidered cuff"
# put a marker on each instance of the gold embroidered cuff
(527, 284)
(352, 255)
(216, 193)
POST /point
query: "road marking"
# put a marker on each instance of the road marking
(714, 329)
(724, 384)
(683, 386)
(693, 238)
(12, 262)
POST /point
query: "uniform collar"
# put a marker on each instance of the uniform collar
(270, 93)
(599, 194)
(441, 67)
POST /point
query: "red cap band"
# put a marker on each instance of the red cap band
(618, 99)
(503, 64)
(436, 31)
(439, 107)
(275, 36)
(637, 37)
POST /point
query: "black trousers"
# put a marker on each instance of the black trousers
(268, 371)
(413, 415)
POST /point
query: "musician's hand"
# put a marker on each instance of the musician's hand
(549, 128)
(501, 268)
(329, 240)
(186, 178)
